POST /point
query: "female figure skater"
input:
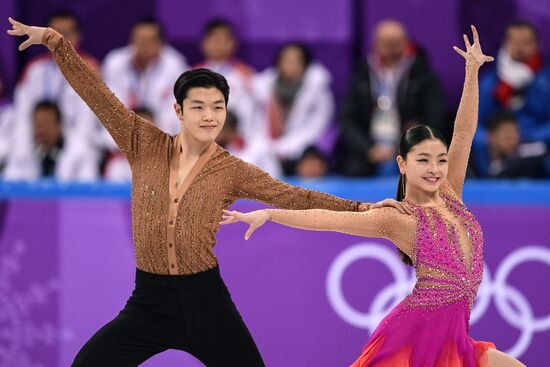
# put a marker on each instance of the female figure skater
(180, 185)
(442, 239)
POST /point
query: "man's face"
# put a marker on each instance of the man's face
(219, 45)
(203, 114)
(521, 43)
(505, 139)
(47, 128)
(147, 42)
(68, 28)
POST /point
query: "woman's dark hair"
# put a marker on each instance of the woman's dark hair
(307, 56)
(413, 136)
(199, 78)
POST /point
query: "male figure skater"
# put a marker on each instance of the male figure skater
(180, 186)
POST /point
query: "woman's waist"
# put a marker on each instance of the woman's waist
(441, 293)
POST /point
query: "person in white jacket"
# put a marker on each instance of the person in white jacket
(6, 133)
(42, 81)
(142, 73)
(295, 103)
(219, 46)
(251, 151)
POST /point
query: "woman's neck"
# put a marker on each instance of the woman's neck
(422, 197)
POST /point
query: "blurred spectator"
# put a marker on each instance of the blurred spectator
(116, 167)
(6, 133)
(49, 148)
(252, 151)
(219, 46)
(518, 83)
(393, 90)
(312, 164)
(48, 137)
(42, 80)
(6, 126)
(143, 73)
(507, 156)
(295, 104)
(534, 120)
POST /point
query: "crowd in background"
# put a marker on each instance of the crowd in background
(283, 119)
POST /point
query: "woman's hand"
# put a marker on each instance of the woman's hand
(255, 219)
(473, 50)
(19, 29)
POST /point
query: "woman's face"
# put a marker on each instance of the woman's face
(291, 64)
(425, 165)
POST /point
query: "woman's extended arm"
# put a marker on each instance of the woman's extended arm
(466, 117)
(385, 222)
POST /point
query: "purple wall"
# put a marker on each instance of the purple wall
(8, 49)
(67, 268)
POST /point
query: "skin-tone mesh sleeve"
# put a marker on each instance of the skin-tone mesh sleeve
(464, 127)
(385, 223)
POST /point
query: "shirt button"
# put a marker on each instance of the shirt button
(175, 200)
(171, 222)
(169, 245)
(172, 266)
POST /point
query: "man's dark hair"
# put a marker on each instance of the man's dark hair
(49, 105)
(499, 119)
(216, 24)
(522, 24)
(64, 14)
(200, 78)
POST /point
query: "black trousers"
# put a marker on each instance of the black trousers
(192, 313)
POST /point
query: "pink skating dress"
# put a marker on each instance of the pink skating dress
(430, 326)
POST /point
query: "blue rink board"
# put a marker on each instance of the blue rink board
(475, 191)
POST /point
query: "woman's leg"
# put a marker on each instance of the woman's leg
(499, 359)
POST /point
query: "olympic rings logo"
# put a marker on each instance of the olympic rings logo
(511, 304)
